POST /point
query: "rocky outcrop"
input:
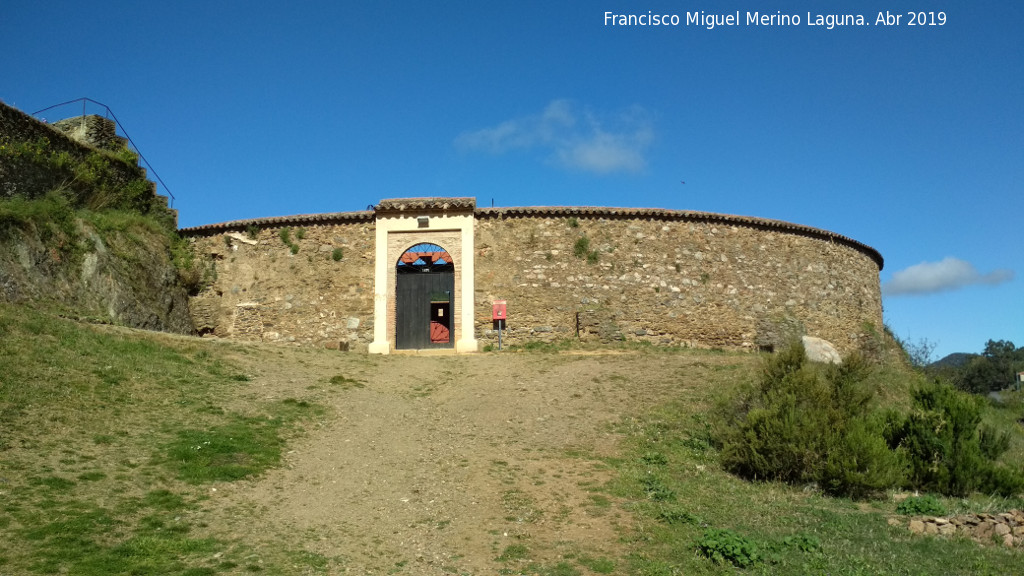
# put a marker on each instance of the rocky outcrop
(122, 277)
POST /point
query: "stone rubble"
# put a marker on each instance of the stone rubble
(1006, 528)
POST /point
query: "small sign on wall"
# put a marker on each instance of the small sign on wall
(498, 314)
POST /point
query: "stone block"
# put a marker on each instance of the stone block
(821, 350)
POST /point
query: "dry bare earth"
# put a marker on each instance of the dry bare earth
(437, 464)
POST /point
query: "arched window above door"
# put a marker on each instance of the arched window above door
(425, 257)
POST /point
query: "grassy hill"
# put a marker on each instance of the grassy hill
(131, 452)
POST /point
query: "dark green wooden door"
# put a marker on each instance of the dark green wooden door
(422, 298)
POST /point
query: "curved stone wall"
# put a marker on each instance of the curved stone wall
(674, 278)
(666, 277)
(320, 293)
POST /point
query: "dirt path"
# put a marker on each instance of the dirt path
(443, 464)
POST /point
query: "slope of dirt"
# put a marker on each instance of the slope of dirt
(446, 464)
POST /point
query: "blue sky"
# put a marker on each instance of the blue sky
(907, 138)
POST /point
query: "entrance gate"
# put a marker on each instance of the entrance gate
(424, 298)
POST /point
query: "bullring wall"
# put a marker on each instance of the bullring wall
(667, 277)
(261, 290)
(672, 278)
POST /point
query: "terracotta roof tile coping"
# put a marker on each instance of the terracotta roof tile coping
(550, 211)
(361, 216)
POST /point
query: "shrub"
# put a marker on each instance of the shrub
(944, 449)
(804, 423)
(993, 443)
(726, 546)
(337, 254)
(926, 505)
(656, 489)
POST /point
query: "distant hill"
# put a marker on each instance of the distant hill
(954, 360)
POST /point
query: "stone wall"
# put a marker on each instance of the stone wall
(28, 178)
(1006, 528)
(264, 291)
(92, 130)
(671, 278)
(35, 173)
(665, 277)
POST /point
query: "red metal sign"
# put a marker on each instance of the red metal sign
(499, 310)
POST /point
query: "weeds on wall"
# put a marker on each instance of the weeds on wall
(286, 237)
(90, 189)
(581, 249)
(89, 182)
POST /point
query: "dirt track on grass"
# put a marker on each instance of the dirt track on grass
(440, 464)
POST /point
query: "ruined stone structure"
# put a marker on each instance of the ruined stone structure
(92, 130)
(663, 276)
(22, 174)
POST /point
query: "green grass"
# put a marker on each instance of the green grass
(111, 443)
(98, 469)
(694, 518)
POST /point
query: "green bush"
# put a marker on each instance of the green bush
(926, 505)
(806, 423)
(947, 448)
(337, 254)
(993, 443)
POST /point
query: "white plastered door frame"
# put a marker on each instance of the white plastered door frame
(396, 232)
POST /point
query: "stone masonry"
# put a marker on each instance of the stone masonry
(1006, 528)
(264, 291)
(661, 276)
(671, 278)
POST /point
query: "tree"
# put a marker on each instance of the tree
(995, 369)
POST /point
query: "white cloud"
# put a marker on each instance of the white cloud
(949, 274)
(572, 138)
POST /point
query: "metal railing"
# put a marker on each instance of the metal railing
(111, 116)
